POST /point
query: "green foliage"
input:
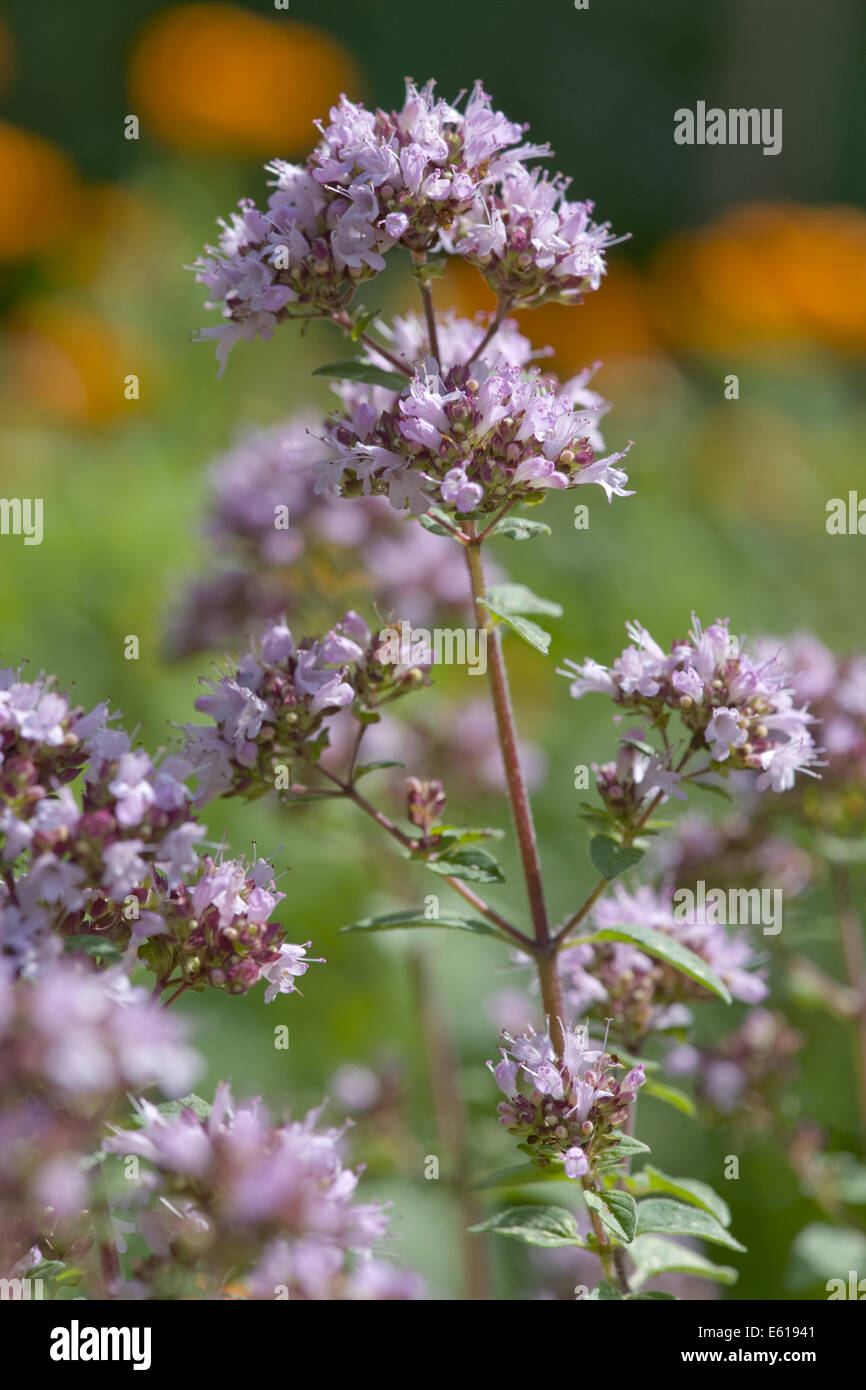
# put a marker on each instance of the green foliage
(551, 1227)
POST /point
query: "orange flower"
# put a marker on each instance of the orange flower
(765, 275)
(65, 364)
(214, 77)
(41, 195)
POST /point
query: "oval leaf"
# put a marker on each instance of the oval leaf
(414, 917)
(516, 598)
(698, 1194)
(356, 369)
(519, 528)
(662, 1216)
(550, 1227)
(654, 1255)
(618, 1212)
(612, 859)
(475, 865)
(667, 948)
(524, 627)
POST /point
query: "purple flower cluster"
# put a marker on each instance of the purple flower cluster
(641, 993)
(836, 693)
(429, 177)
(574, 1106)
(471, 438)
(121, 867)
(70, 1041)
(73, 865)
(274, 1203)
(216, 931)
(272, 707)
(532, 244)
(42, 741)
(742, 848)
(740, 709)
(283, 545)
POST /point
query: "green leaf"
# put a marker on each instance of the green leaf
(374, 767)
(663, 1216)
(607, 1293)
(361, 320)
(618, 1212)
(474, 865)
(516, 598)
(612, 859)
(524, 627)
(521, 1175)
(667, 948)
(432, 520)
(654, 1255)
(550, 1227)
(91, 945)
(199, 1107)
(699, 1194)
(519, 528)
(47, 1269)
(414, 917)
(625, 1148)
(356, 369)
(670, 1095)
(466, 835)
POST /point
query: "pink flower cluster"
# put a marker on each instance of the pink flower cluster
(118, 868)
(71, 1041)
(274, 704)
(471, 438)
(642, 994)
(429, 177)
(274, 1203)
(532, 244)
(280, 544)
(575, 1105)
(740, 708)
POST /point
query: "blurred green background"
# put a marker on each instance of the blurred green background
(739, 264)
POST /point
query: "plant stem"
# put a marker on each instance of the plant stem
(451, 1123)
(342, 320)
(611, 1261)
(543, 946)
(178, 992)
(627, 839)
(502, 309)
(854, 954)
(429, 315)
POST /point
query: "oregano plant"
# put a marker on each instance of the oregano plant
(447, 436)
